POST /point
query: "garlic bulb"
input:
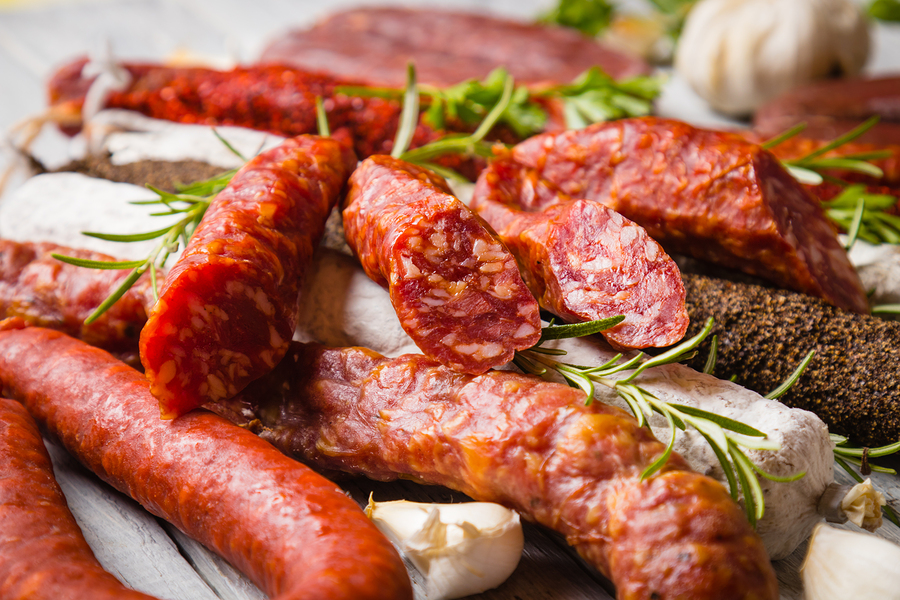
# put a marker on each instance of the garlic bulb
(738, 54)
(462, 549)
(843, 564)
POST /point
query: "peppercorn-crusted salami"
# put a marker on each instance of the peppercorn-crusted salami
(455, 287)
(523, 442)
(707, 194)
(584, 261)
(228, 307)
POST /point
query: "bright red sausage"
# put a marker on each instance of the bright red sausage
(228, 307)
(292, 532)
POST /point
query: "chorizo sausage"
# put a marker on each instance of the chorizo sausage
(707, 194)
(456, 289)
(228, 307)
(292, 532)
(43, 554)
(584, 261)
(529, 444)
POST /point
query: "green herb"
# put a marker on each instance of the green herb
(409, 117)
(884, 10)
(590, 17)
(726, 437)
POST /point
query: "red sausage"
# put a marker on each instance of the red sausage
(584, 261)
(526, 443)
(229, 305)
(707, 194)
(292, 532)
(43, 554)
(455, 287)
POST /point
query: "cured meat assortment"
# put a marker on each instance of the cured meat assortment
(294, 533)
(228, 307)
(528, 444)
(456, 290)
(375, 44)
(43, 554)
(707, 194)
(584, 262)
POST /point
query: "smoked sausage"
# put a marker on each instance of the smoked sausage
(292, 532)
(529, 444)
(707, 194)
(456, 289)
(228, 307)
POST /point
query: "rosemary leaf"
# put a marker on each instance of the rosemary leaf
(574, 330)
(661, 460)
(721, 421)
(135, 237)
(99, 264)
(754, 500)
(322, 126)
(784, 387)
(114, 297)
(710, 364)
(409, 117)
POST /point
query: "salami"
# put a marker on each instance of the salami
(50, 293)
(292, 532)
(227, 309)
(584, 261)
(531, 445)
(456, 290)
(43, 554)
(707, 194)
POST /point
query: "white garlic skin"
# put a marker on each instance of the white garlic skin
(739, 54)
(843, 564)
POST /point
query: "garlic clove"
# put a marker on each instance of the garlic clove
(462, 549)
(862, 505)
(843, 564)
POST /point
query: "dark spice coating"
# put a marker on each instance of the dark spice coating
(291, 531)
(43, 554)
(764, 333)
(523, 442)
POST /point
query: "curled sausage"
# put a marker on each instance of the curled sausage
(228, 307)
(523, 442)
(292, 532)
(707, 194)
(456, 289)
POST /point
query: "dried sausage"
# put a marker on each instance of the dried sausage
(456, 289)
(292, 532)
(584, 261)
(526, 443)
(707, 194)
(227, 309)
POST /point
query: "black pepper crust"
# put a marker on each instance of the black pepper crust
(851, 383)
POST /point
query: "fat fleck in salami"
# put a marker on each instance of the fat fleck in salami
(584, 261)
(292, 532)
(228, 307)
(528, 444)
(47, 292)
(707, 194)
(456, 289)
(43, 554)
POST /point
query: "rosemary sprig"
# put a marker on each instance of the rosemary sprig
(727, 438)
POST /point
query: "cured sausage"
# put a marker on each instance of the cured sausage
(43, 554)
(292, 532)
(50, 293)
(227, 309)
(707, 194)
(584, 262)
(456, 290)
(531, 445)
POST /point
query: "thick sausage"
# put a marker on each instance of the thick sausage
(47, 292)
(43, 554)
(229, 305)
(584, 261)
(292, 532)
(707, 194)
(456, 289)
(523, 442)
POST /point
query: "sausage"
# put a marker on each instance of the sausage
(43, 554)
(50, 293)
(584, 261)
(456, 290)
(528, 444)
(292, 532)
(707, 194)
(227, 309)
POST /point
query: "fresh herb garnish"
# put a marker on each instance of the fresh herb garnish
(590, 17)
(884, 10)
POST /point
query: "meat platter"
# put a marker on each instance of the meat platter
(146, 552)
